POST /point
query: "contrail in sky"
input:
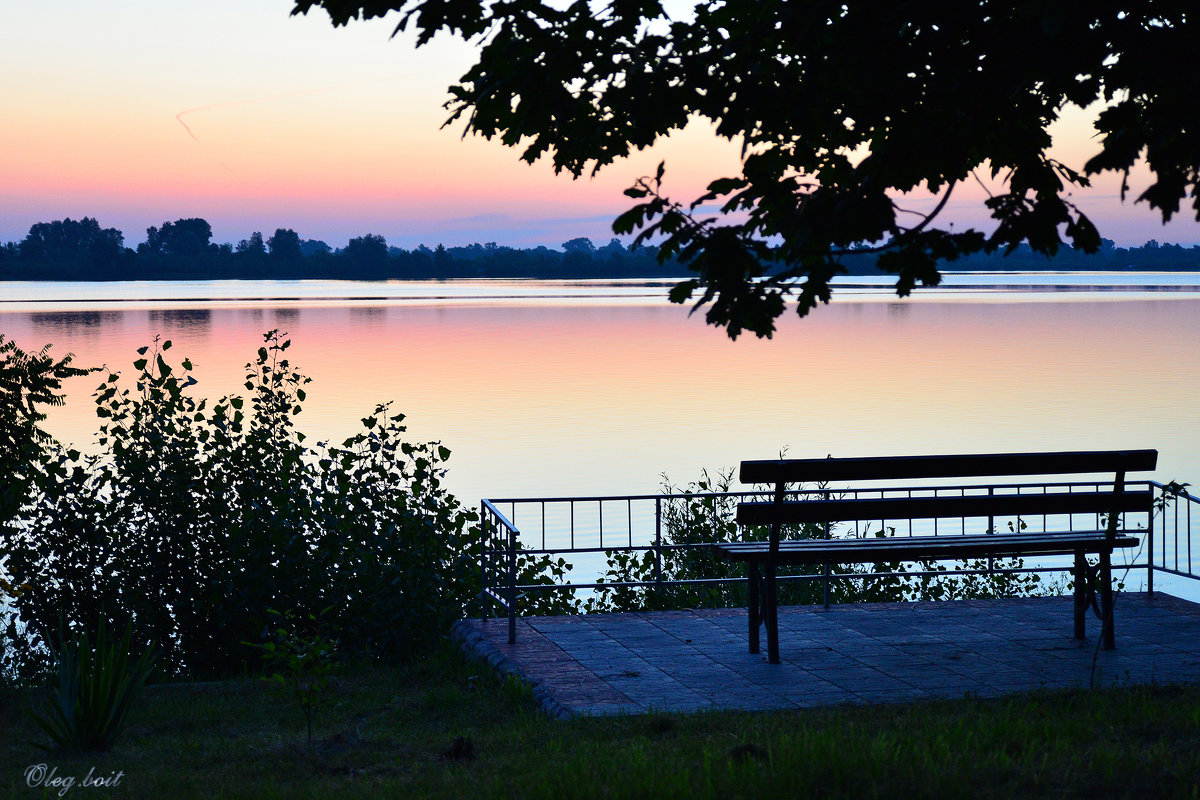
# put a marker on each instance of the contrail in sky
(179, 119)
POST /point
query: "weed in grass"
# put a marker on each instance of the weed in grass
(461, 749)
(298, 661)
(661, 725)
(517, 691)
(749, 752)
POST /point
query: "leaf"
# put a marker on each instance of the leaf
(630, 221)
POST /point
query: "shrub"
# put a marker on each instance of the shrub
(195, 518)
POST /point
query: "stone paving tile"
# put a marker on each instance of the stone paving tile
(686, 661)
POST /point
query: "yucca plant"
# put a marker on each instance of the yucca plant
(92, 691)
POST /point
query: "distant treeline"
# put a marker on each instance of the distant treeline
(81, 250)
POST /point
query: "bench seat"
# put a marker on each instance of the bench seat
(911, 548)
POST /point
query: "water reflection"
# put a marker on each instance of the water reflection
(369, 315)
(189, 320)
(75, 322)
(581, 399)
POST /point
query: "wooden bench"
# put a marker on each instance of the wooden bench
(827, 507)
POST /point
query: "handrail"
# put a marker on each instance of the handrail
(499, 515)
(489, 513)
(582, 528)
(815, 490)
(1173, 558)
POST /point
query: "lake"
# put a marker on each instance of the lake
(595, 387)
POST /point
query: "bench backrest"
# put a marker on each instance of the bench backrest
(781, 472)
(811, 470)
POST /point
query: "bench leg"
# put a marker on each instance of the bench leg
(771, 615)
(1106, 598)
(1081, 602)
(755, 602)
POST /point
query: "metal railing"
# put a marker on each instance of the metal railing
(588, 530)
(1175, 524)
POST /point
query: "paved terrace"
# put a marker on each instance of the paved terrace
(632, 663)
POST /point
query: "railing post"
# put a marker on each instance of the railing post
(991, 529)
(484, 600)
(1150, 550)
(512, 586)
(825, 566)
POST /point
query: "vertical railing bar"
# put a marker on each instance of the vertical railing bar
(825, 567)
(512, 585)
(543, 524)
(572, 524)
(600, 506)
(484, 598)
(1045, 518)
(629, 520)
(1150, 553)
(1189, 537)
(1163, 554)
(1071, 517)
(658, 541)
(991, 528)
(962, 527)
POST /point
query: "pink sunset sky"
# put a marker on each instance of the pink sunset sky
(140, 112)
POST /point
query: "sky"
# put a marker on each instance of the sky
(140, 112)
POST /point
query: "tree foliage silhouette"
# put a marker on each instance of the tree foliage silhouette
(840, 108)
(30, 382)
(82, 244)
(284, 246)
(181, 239)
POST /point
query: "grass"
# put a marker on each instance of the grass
(443, 727)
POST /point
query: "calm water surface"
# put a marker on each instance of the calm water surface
(556, 388)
